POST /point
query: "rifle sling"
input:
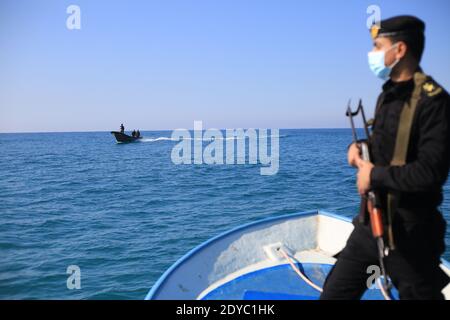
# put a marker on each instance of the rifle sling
(401, 146)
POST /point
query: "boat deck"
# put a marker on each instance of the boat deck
(253, 261)
(281, 282)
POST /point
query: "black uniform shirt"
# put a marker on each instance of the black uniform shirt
(419, 182)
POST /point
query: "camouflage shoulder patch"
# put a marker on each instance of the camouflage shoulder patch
(431, 89)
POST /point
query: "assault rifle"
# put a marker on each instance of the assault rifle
(370, 199)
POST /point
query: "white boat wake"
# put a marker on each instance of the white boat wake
(201, 139)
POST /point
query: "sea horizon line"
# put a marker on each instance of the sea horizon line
(170, 130)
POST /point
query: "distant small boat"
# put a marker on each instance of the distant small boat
(257, 261)
(122, 137)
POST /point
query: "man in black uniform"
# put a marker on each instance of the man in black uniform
(415, 224)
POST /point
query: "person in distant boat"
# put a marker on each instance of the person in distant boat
(408, 181)
(133, 134)
(122, 128)
(138, 134)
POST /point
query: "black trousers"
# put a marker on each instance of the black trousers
(413, 266)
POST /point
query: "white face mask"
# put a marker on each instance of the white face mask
(376, 63)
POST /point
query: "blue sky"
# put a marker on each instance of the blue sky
(159, 65)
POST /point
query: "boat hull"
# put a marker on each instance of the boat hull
(244, 263)
(124, 138)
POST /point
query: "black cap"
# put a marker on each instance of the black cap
(399, 25)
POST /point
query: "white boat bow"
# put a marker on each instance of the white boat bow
(248, 262)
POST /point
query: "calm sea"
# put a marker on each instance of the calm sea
(124, 213)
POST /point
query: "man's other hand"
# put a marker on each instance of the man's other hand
(363, 176)
(353, 154)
